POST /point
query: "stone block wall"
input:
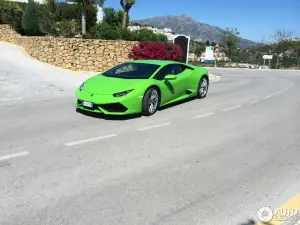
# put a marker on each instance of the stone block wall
(71, 53)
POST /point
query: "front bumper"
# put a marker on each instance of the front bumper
(109, 105)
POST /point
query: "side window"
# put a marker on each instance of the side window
(169, 69)
(177, 69)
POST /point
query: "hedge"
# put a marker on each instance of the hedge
(156, 50)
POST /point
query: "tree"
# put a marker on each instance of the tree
(68, 28)
(297, 51)
(230, 39)
(48, 20)
(199, 50)
(30, 18)
(207, 43)
(11, 13)
(126, 5)
(280, 37)
(84, 4)
(258, 57)
(113, 17)
(65, 11)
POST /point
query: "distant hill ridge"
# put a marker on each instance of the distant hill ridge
(185, 24)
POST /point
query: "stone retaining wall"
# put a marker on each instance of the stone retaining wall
(71, 53)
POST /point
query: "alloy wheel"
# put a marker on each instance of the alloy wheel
(153, 101)
(203, 87)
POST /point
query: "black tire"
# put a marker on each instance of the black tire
(149, 99)
(201, 93)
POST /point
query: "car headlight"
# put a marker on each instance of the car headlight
(123, 93)
(81, 86)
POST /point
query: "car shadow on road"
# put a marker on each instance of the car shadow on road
(131, 116)
(249, 222)
(177, 103)
(108, 117)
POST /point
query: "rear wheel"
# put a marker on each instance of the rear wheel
(202, 87)
(150, 102)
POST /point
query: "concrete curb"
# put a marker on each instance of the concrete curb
(265, 70)
(213, 77)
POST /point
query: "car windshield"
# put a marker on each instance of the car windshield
(132, 71)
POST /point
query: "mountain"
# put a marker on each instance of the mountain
(185, 24)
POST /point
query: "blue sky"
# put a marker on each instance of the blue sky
(255, 19)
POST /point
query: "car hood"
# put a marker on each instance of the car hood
(102, 85)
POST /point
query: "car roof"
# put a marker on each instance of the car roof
(156, 62)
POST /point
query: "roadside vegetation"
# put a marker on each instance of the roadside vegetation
(72, 20)
(284, 49)
(79, 19)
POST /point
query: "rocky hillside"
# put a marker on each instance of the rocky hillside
(185, 24)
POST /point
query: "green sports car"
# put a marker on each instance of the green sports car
(141, 86)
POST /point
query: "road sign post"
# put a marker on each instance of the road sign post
(184, 42)
(269, 57)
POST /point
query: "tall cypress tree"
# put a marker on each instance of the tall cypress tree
(30, 18)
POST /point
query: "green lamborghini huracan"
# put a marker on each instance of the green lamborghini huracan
(141, 86)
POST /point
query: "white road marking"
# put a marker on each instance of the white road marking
(267, 97)
(277, 93)
(231, 108)
(10, 99)
(153, 126)
(90, 140)
(5, 157)
(253, 102)
(203, 115)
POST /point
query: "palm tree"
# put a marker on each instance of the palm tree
(126, 5)
(84, 4)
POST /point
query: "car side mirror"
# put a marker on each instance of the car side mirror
(170, 77)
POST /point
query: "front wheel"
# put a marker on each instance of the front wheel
(202, 87)
(150, 102)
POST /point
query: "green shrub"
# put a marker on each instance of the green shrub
(144, 35)
(30, 18)
(48, 18)
(148, 35)
(103, 31)
(161, 37)
(127, 35)
(68, 28)
(47, 23)
(65, 11)
(107, 32)
(11, 13)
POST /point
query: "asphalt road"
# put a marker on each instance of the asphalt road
(211, 161)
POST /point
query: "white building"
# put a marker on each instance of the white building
(219, 56)
(165, 31)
